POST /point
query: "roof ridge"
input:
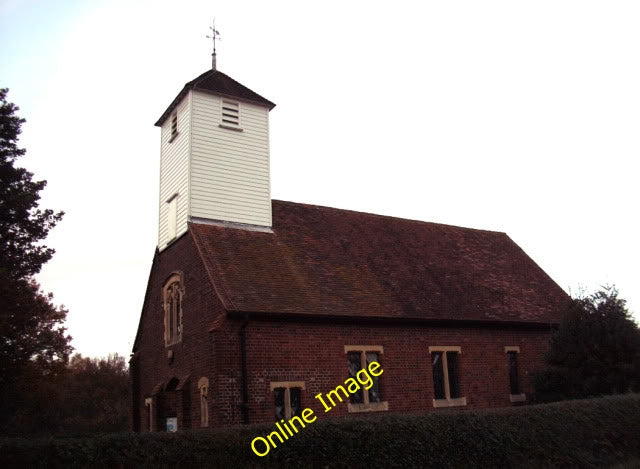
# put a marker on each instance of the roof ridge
(388, 217)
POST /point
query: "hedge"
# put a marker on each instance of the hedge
(586, 433)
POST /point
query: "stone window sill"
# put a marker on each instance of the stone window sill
(371, 407)
(229, 127)
(517, 397)
(460, 401)
(173, 342)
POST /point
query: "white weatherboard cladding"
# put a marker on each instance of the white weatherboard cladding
(174, 172)
(229, 174)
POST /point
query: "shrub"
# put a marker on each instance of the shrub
(580, 433)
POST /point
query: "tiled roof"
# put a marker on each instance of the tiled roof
(217, 82)
(339, 263)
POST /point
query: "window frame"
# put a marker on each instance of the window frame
(287, 385)
(203, 388)
(448, 401)
(366, 406)
(171, 336)
(148, 404)
(520, 397)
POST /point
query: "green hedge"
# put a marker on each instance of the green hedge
(586, 433)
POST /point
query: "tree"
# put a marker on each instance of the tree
(595, 351)
(32, 336)
(88, 396)
(96, 398)
(22, 223)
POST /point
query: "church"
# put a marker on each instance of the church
(254, 306)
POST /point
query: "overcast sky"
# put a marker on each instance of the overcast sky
(520, 117)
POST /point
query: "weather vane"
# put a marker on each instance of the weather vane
(214, 34)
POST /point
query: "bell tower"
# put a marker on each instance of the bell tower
(214, 157)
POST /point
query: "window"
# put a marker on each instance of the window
(203, 386)
(172, 217)
(287, 396)
(514, 380)
(173, 293)
(446, 384)
(148, 404)
(174, 127)
(230, 114)
(359, 357)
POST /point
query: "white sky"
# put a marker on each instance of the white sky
(513, 116)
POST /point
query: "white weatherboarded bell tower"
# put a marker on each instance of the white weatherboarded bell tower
(214, 157)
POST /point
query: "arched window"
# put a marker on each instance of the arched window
(203, 386)
(172, 299)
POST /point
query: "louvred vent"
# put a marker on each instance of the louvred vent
(230, 113)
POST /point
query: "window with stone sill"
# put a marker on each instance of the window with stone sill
(287, 398)
(359, 357)
(173, 293)
(446, 384)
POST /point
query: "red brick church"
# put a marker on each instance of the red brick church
(254, 305)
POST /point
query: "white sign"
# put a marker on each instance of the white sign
(172, 424)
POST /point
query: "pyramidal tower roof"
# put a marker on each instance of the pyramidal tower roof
(214, 81)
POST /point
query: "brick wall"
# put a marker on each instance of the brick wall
(314, 353)
(192, 357)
